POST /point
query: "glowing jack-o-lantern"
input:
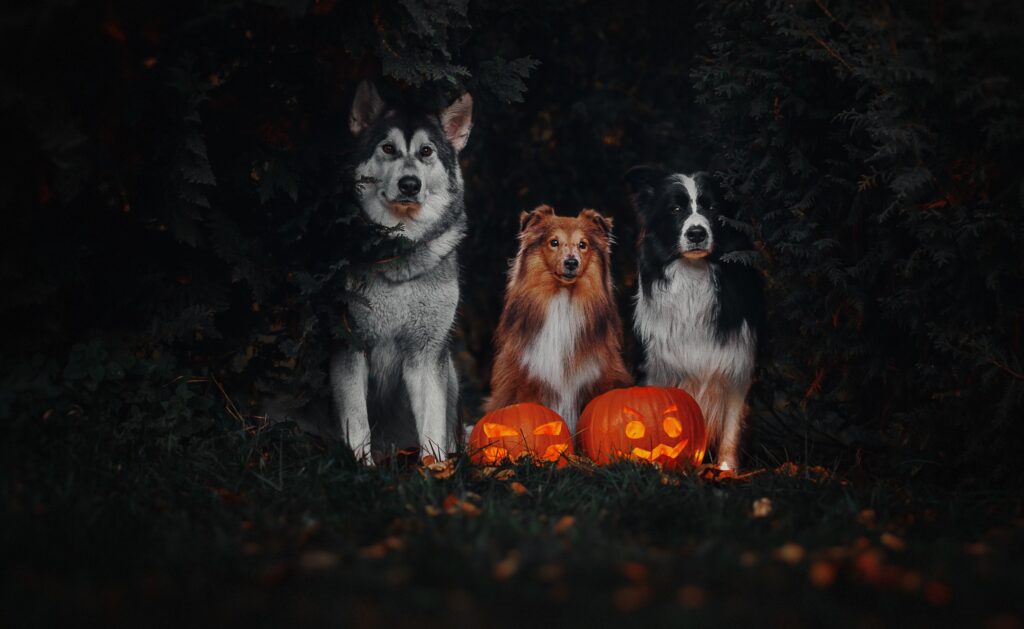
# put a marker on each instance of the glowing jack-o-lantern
(518, 430)
(656, 424)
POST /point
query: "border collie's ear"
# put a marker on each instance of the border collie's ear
(367, 106)
(525, 218)
(457, 121)
(642, 179)
(603, 223)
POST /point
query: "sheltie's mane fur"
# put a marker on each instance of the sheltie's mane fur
(559, 338)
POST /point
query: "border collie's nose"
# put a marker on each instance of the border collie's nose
(571, 264)
(696, 234)
(409, 185)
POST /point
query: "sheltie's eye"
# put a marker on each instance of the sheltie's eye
(389, 149)
(583, 245)
(553, 243)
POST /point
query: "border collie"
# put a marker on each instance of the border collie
(559, 339)
(698, 315)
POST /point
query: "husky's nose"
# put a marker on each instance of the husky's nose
(409, 185)
(571, 264)
(696, 234)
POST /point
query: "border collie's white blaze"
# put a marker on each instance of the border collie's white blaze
(696, 316)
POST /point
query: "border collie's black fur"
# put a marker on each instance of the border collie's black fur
(697, 316)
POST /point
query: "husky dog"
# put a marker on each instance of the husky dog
(559, 339)
(397, 386)
(697, 315)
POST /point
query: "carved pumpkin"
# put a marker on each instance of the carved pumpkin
(656, 424)
(517, 430)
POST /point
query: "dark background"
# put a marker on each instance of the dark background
(178, 221)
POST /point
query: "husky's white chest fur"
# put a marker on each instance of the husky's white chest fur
(549, 358)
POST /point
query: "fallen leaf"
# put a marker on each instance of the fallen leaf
(822, 574)
(631, 597)
(937, 593)
(518, 488)
(432, 511)
(441, 470)
(792, 553)
(892, 542)
(505, 474)
(866, 518)
(911, 582)
(762, 507)
(313, 560)
(635, 571)
(550, 572)
(671, 480)
(691, 596)
(374, 551)
(507, 566)
(976, 549)
(469, 508)
(868, 565)
(450, 503)
(564, 523)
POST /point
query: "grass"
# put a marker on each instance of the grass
(273, 528)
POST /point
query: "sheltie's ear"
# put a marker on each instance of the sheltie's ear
(604, 224)
(528, 218)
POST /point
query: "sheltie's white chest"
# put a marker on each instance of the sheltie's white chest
(551, 357)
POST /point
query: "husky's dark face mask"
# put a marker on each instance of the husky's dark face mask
(407, 169)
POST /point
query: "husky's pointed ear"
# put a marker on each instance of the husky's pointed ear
(367, 106)
(539, 212)
(642, 179)
(457, 121)
(603, 223)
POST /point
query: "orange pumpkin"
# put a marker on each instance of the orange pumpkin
(656, 424)
(517, 430)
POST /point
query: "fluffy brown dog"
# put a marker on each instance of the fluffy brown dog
(559, 339)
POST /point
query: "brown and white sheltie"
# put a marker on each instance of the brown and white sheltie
(559, 339)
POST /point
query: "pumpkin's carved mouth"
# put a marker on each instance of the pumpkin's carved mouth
(660, 450)
(494, 453)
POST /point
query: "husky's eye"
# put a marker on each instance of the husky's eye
(389, 149)
(426, 151)
(583, 245)
(554, 242)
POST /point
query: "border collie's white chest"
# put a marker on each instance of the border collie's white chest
(550, 357)
(677, 326)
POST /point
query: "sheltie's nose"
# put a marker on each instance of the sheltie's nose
(570, 265)
(409, 185)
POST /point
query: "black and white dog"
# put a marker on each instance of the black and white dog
(398, 385)
(698, 316)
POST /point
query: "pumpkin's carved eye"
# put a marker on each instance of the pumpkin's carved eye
(550, 428)
(634, 426)
(499, 430)
(671, 424)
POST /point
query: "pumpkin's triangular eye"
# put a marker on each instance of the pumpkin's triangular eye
(499, 430)
(550, 428)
